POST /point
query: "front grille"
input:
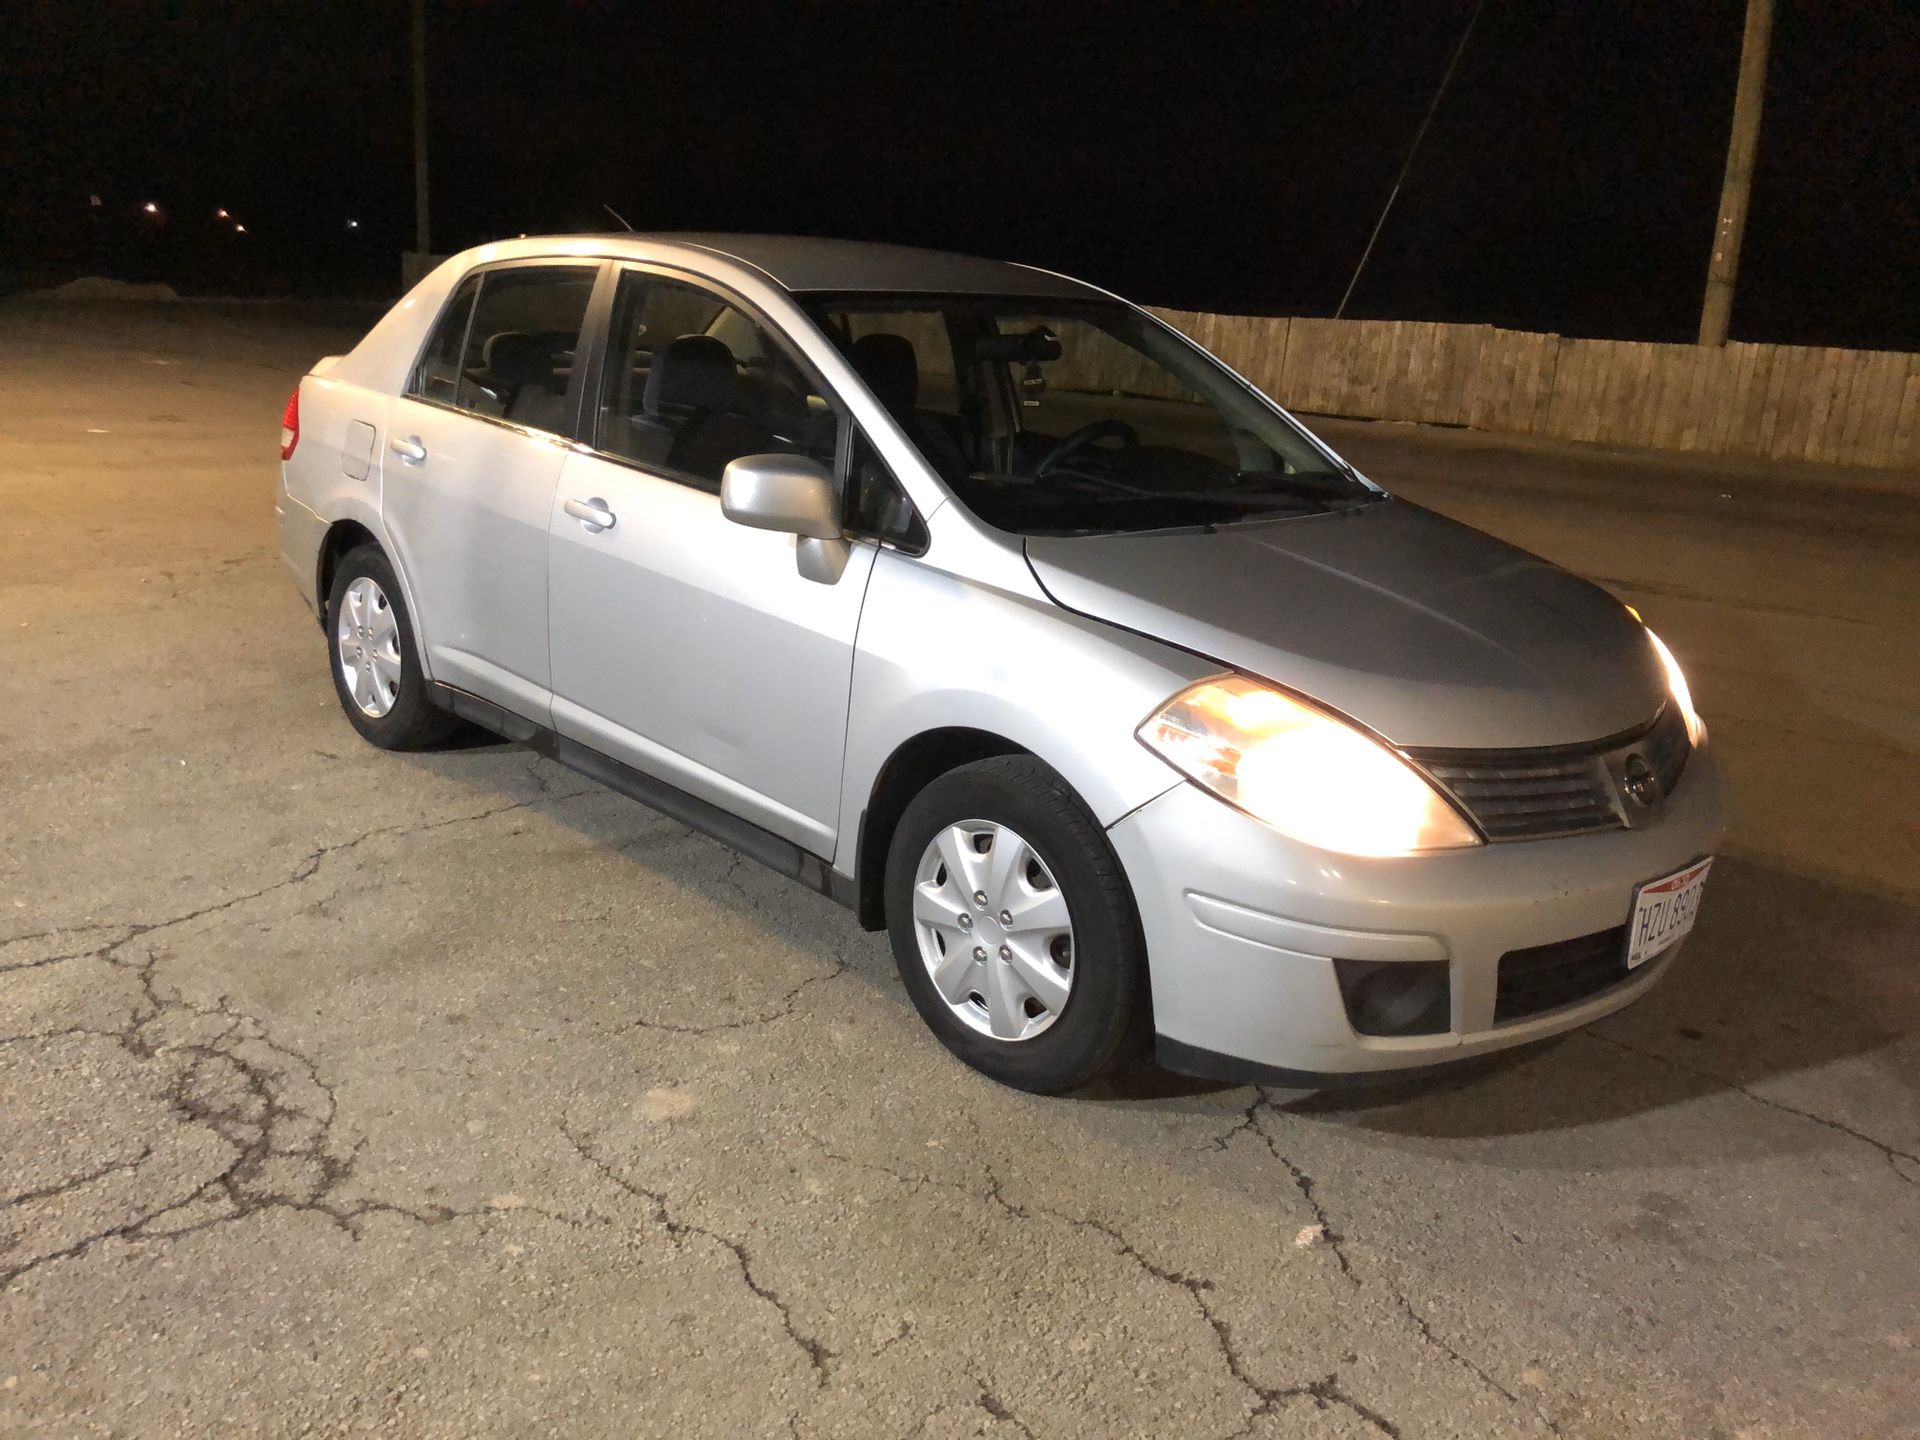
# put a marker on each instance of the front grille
(1513, 798)
(1546, 977)
(1562, 790)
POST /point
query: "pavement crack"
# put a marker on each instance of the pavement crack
(62, 1187)
(305, 869)
(1249, 1121)
(121, 934)
(779, 1010)
(1892, 1153)
(914, 1182)
(1326, 1393)
(996, 1407)
(819, 1357)
(60, 1033)
(308, 867)
(1197, 1288)
(1430, 1337)
(983, 1399)
(266, 1101)
(1252, 1121)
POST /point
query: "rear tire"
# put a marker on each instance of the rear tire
(375, 661)
(1043, 1001)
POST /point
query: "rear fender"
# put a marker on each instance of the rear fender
(337, 472)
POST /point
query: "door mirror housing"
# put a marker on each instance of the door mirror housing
(789, 493)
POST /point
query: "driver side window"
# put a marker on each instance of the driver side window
(692, 382)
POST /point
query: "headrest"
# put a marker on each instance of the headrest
(695, 371)
(890, 368)
(518, 358)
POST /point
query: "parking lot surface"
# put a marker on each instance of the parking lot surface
(453, 1095)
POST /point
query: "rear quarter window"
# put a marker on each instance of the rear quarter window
(437, 376)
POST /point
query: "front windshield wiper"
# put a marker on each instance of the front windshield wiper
(1204, 510)
(1290, 488)
(1342, 484)
(1237, 505)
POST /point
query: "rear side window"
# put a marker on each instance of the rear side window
(516, 349)
(692, 382)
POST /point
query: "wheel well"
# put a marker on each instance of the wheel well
(344, 536)
(907, 772)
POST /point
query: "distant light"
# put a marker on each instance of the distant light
(239, 229)
(221, 215)
(151, 208)
(353, 224)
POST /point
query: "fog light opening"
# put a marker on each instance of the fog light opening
(1395, 997)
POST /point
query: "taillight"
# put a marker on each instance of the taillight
(290, 425)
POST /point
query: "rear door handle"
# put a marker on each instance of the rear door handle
(593, 515)
(409, 449)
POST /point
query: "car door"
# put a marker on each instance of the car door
(473, 457)
(685, 645)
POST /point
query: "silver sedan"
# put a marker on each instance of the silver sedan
(984, 602)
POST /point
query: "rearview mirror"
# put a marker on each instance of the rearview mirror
(789, 493)
(1027, 347)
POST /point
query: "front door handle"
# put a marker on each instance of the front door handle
(593, 515)
(409, 449)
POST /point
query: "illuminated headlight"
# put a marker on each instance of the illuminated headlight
(1677, 687)
(1300, 770)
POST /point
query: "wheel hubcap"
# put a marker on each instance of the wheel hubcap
(369, 644)
(993, 930)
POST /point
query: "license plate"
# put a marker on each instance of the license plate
(1664, 911)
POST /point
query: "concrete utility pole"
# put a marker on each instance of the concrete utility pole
(422, 235)
(1732, 226)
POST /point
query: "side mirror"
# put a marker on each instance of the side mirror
(789, 493)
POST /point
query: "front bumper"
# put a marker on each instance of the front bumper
(1243, 925)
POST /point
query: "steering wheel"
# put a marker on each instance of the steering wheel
(1086, 435)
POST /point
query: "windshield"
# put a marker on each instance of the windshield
(1051, 417)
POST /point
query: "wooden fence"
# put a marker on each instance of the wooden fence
(1787, 402)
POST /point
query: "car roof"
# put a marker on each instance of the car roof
(812, 263)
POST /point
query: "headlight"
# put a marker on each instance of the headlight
(1677, 687)
(1303, 772)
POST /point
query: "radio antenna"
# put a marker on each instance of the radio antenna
(1407, 164)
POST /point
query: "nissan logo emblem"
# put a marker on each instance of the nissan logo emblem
(1639, 782)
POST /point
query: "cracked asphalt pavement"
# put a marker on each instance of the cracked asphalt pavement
(452, 1095)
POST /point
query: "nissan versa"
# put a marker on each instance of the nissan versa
(984, 602)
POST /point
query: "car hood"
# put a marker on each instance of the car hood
(1426, 631)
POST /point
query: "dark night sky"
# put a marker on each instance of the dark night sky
(1216, 156)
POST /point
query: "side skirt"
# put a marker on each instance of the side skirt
(775, 852)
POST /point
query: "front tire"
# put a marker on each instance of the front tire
(1013, 926)
(376, 666)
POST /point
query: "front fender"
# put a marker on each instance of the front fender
(936, 650)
